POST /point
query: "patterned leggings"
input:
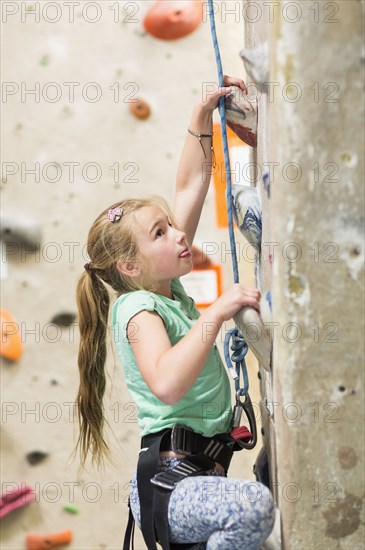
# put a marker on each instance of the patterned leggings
(229, 514)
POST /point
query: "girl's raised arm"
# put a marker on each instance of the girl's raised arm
(195, 167)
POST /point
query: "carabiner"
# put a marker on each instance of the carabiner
(250, 413)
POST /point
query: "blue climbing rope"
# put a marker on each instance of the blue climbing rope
(239, 346)
(222, 112)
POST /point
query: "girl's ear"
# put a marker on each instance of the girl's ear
(130, 269)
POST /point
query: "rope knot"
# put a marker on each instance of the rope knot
(239, 348)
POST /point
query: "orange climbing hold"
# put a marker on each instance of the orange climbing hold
(140, 108)
(11, 344)
(40, 542)
(171, 19)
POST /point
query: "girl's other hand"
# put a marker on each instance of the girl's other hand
(213, 92)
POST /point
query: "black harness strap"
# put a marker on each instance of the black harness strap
(165, 482)
(155, 488)
(129, 532)
(146, 469)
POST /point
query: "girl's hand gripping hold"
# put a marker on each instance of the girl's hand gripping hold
(232, 301)
(210, 99)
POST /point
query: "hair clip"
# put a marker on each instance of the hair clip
(115, 214)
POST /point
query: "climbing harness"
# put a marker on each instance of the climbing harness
(200, 453)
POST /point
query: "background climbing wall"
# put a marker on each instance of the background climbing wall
(69, 72)
(311, 138)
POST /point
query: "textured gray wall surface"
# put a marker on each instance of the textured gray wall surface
(70, 149)
(311, 143)
(317, 218)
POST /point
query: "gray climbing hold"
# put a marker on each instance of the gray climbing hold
(257, 65)
(35, 457)
(21, 233)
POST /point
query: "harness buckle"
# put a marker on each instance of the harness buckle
(164, 481)
(179, 439)
(168, 479)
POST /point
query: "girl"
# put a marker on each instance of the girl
(180, 494)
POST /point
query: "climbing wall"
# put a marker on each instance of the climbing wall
(311, 144)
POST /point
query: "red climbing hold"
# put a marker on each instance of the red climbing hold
(171, 19)
(241, 113)
(17, 498)
(11, 345)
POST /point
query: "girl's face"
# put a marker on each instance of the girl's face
(164, 250)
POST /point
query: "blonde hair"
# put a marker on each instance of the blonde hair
(107, 243)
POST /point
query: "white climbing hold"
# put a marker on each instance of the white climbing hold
(257, 65)
(247, 213)
(256, 334)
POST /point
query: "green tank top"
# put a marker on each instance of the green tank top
(206, 407)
